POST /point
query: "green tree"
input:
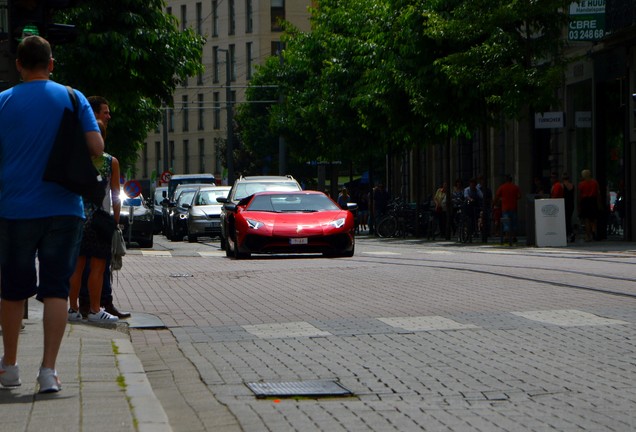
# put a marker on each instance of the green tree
(133, 54)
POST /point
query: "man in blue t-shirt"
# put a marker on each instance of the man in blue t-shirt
(37, 218)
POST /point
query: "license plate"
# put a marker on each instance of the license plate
(298, 241)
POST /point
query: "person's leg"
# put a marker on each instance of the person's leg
(95, 280)
(76, 282)
(18, 243)
(54, 323)
(57, 255)
(11, 318)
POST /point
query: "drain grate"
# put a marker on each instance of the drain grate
(298, 388)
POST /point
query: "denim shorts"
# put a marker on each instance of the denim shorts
(54, 241)
(509, 221)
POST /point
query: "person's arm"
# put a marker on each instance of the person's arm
(95, 144)
(114, 190)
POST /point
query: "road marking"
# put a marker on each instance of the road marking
(568, 318)
(156, 253)
(285, 330)
(211, 253)
(436, 252)
(426, 323)
(381, 253)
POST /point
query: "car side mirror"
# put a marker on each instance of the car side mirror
(186, 206)
(221, 200)
(230, 207)
(352, 207)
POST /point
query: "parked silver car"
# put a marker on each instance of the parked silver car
(204, 215)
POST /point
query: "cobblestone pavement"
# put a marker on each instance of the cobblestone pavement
(425, 336)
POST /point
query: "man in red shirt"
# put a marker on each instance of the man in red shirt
(508, 196)
(557, 187)
(589, 203)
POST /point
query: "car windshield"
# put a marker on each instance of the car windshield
(159, 196)
(208, 197)
(281, 203)
(247, 189)
(186, 197)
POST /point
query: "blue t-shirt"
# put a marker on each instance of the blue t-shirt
(30, 115)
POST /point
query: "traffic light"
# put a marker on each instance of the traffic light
(34, 17)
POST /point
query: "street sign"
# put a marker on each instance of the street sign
(132, 188)
(165, 176)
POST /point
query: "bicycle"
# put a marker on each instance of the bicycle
(401, 220)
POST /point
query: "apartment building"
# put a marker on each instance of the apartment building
(246, 32)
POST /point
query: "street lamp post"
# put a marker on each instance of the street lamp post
(228, 100)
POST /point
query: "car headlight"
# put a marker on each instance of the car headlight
(338, 223)
(254, 224)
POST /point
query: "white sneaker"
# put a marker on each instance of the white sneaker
(102, 317)
(49, 381)
(9, 375)
(74, 315)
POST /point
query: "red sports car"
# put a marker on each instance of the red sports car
(296, 222)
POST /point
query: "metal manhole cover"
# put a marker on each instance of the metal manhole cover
(298, 388)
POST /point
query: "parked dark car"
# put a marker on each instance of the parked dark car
(138, 221)
(160, 194)
(178, 214)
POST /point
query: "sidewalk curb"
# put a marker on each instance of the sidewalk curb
(147, 410)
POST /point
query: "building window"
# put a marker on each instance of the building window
(277, 48)
(231, 17)
(200, 113)
(248, 59)
(185, 110)
(158, 167)
(277, 12)
(216, 123)
(215, 18)
(184, 21)
(232, 62)
(201, 155)
(170, 120)
(171, 147)
(169, 10)
(249, 21)
(199, 19)
(215, 64)
(200, 78)
(186, 156)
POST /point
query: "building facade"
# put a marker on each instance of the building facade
(245, 32)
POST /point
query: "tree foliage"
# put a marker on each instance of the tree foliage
(374, 75)
(133, 54)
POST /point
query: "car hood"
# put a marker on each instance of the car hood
(209, 210)
(300, 224)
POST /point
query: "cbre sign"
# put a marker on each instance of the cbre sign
(549, 120)
(587, 20)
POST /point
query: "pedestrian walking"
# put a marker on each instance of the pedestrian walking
(568, 200)
(589, 203)
(507, 197)
(37, 218)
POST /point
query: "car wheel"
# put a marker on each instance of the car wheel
(146, 243)
(228, 249)
(223, 242)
